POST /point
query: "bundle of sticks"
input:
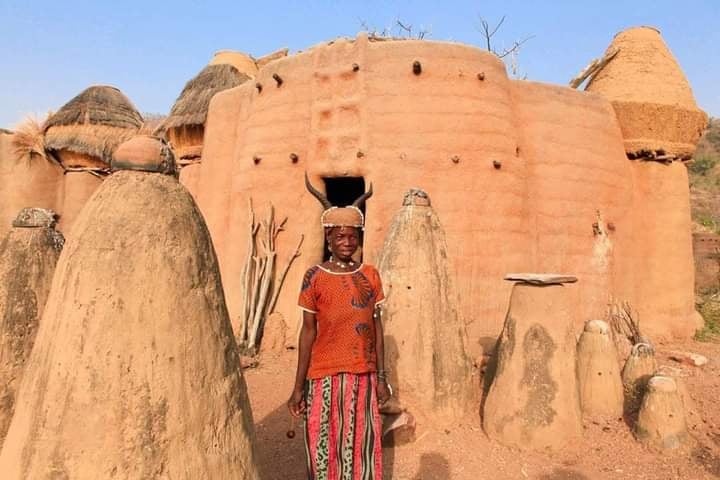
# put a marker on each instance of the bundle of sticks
(261, 288)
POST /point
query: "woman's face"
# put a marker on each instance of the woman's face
(343, 241)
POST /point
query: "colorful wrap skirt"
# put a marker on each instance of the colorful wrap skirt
(343, 430)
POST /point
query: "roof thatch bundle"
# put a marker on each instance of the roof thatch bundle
(28, 140)
(191, 107)
(93, 123)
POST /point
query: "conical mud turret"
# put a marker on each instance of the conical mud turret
(135, 372)
(651, 96)
(424, 333)
(28, 255)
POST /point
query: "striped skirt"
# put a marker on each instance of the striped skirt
(343, 428)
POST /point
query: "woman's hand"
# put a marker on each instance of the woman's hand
(296, 404)
(383, 392)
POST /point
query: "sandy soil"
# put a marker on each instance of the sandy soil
(462, 451)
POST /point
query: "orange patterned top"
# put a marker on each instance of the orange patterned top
(343, 304)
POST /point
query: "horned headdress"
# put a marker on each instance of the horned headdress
(350, 216)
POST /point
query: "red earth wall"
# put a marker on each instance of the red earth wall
(25, 182)
(564, 197)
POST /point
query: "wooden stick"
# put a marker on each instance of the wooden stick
(268, 271)
(259, 272)
(278, 286)
(594, 67)
(247, 273)
(268, 266)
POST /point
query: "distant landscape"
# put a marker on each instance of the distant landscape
(705, 181)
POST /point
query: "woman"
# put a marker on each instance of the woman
(340, 379)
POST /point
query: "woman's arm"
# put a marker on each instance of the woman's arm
(383, 392)
(296, 404)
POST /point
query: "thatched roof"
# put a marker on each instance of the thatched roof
(191, 107)
(93, 123)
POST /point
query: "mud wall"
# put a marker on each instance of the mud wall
(523, 176)
(77, 188)
(25, 182)
(579, 197)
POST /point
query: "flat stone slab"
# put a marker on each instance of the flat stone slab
(34, 218)
(540, 278)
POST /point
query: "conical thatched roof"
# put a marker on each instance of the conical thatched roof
(191, 107)
(93, 123)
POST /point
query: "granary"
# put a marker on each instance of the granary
(524, 176)
(185, 126)
(82, 136)
(134, 372)
(28, 254)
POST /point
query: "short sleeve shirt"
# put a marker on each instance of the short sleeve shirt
(343, 304)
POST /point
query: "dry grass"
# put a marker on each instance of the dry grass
(625, 323)
(98, 141)
(98, 105)
(93, 123)
(29, 140)
(151, 123)
(191, 107)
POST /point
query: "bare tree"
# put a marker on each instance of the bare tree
(408, 29)
(400, 29)
(509, 55)
(489, 32)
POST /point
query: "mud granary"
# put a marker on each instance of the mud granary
(524, 176)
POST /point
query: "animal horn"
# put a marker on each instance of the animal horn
(321, 198)
(363, 197)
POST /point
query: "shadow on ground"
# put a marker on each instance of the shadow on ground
(563, 474)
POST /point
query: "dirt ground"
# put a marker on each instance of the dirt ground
(462, 451)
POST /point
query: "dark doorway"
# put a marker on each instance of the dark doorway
(343, 191)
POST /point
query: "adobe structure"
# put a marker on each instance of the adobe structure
(184, 128)
(524, 176)
(26, 180)
(134, 372)
(77, 143)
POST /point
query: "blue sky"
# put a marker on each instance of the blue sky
(52, 50)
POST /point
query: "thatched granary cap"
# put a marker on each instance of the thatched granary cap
(93, 123)
(34, 218)
(651, 96)
(191, 107)
(144, 153)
